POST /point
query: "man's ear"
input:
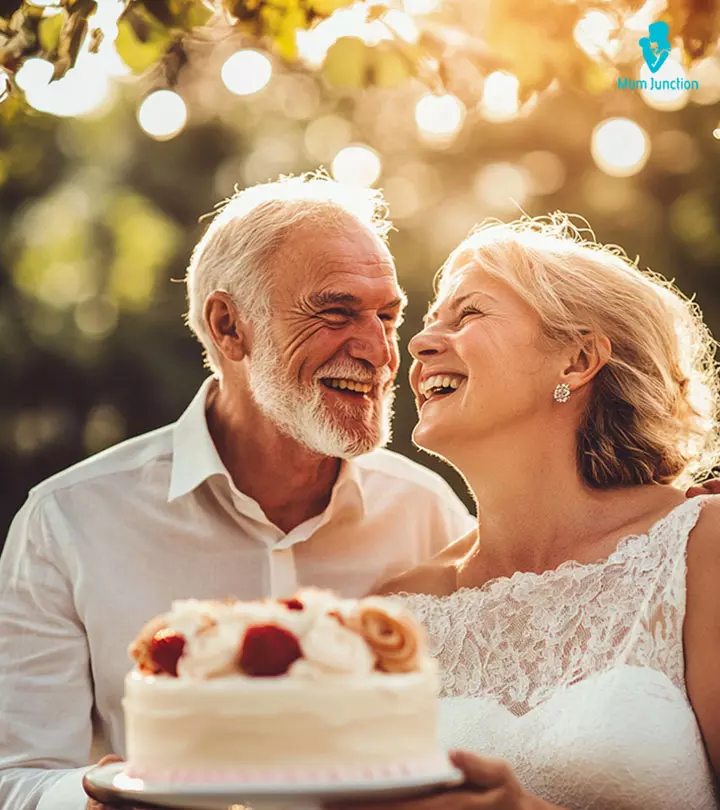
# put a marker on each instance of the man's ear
(228, 330)
(587, 359)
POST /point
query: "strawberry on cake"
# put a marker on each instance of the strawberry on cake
(282, 689)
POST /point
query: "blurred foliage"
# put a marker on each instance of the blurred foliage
(535, 41)
(97, 221)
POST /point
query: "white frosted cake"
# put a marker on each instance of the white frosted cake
(314, 686)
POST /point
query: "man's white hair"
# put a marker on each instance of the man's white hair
(234, 254)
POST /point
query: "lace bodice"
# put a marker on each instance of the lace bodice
(576, 675)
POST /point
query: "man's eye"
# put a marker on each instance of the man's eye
(336, 312)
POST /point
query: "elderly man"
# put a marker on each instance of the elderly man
(270, 480)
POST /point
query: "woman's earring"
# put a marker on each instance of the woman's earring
(561, 392)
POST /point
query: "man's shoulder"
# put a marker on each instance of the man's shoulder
(124, 458)
(397, 466)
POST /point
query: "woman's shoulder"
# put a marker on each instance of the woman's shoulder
(437, 576)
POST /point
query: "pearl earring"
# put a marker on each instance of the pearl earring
(561, 392)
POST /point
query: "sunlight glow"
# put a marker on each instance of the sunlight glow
(357, 165)
(162, 115)
(246, 72)
(313, 45)
(593, 33)
(34, 73)
(620, 147)
(500, 97)
(421, 6)
(502, 186)
(665, 99)
(439, 118)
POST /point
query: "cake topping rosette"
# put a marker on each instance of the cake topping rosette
(312, 634)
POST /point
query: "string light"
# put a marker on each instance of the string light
(162, 115)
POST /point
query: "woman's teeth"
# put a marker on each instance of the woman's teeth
(350, 385)
(438, 382)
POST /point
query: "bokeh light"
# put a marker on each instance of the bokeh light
(502, 186)
(439, 118)
(620, 147)
(162, 114)
(420, 6)
(545, 172)
(326, 136)
(402, 197)
(500, 97)
(357, 165)
(353, 21)
(675, 151)
(34, 73)
(593, 33)
(706, 73)
(665, 99)
(246, 72)
(85, 90)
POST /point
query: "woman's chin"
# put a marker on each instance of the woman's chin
(433, 437)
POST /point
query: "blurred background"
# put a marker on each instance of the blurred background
(104, 179)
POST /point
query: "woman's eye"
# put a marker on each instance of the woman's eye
(468, 311)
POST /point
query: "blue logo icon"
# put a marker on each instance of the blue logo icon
(656, 46)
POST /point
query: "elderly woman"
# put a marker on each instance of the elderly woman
(578, 628)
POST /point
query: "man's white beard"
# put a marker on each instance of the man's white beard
(299, 411)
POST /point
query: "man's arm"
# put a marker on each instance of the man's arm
(45, 685)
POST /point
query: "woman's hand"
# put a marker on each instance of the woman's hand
(710, 487)
(490, 784)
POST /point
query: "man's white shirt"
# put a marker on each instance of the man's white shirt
(99, 548)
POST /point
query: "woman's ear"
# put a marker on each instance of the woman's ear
(588, 358)
(226, 327)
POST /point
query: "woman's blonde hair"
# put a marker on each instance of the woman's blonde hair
(652, 415)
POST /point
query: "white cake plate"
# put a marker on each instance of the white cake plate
(109, 784)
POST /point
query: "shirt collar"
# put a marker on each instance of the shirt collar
(195, 458)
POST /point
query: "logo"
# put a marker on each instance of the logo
(656, 50)
(656, 46)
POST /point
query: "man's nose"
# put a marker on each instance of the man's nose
(372, 343)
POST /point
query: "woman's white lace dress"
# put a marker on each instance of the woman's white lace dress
(576, 675)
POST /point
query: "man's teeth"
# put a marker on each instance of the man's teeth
(439, 381)
(351, 385)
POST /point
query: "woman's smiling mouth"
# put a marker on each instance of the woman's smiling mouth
(439, 386)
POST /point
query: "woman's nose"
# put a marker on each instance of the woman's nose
(426, 343)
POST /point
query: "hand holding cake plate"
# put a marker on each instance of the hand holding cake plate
(110, 785)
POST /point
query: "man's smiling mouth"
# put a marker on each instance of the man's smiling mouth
(348, 386)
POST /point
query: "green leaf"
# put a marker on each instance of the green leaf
(161, 11)
(324, 8)
(346, 63)
(196, 14)
(141, 54)
(49, 32)
(390, 68)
